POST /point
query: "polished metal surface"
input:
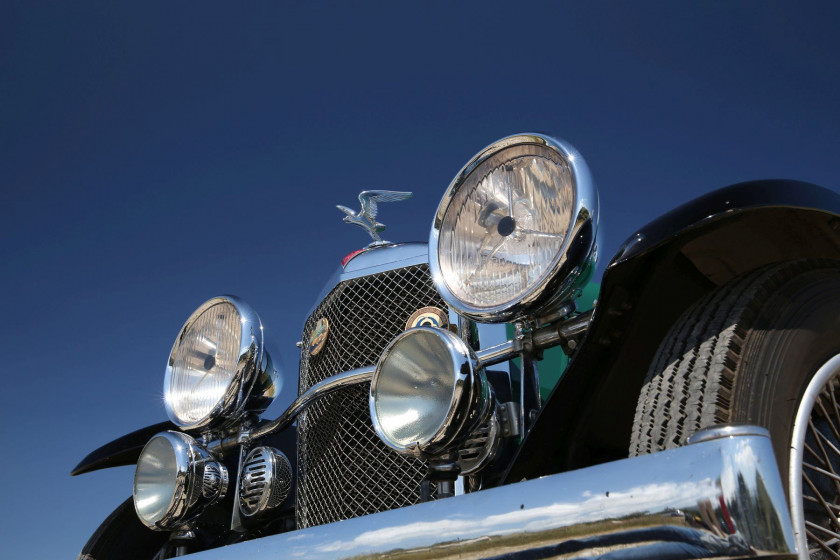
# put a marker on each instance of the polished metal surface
(481, 446)
(257, 379)
(336, 382)
(365, 218)
(264, 481)
(576, 255)
(319, 390)
(814, 473)
(375, 260)
(344, 468)
(493, 355)
(175, 480)
(727, 430)
(721, 498)
(497, 354)
(214, 481)
(427, 394)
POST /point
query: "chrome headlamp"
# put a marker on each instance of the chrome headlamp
(219, 369)
(175, 480)
(515, 229)
(428, 393)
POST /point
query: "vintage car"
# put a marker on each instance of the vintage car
(467, 397)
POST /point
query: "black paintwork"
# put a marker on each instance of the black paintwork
(655, 276)
(121, 451)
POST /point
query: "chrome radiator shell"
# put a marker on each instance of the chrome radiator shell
(344, 469)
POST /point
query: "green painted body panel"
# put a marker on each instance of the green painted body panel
(554, 361)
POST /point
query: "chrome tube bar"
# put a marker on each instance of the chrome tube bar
(542, 338)
(325, 387)
(720, 498)
(496, 354)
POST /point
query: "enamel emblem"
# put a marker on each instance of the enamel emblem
(428, 317)
(318, 339)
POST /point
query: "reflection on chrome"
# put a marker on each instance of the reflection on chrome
(716, 498)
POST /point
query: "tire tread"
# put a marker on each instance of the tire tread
(690, 382)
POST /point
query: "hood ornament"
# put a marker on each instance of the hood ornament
(366, 217)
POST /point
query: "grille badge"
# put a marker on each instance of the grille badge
(319, 336)
(428, 317)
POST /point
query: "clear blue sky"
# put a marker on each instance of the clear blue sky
(155, 154)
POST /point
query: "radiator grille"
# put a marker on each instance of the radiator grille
(344, 468)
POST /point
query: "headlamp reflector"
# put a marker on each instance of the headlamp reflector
(175, 480)
(156, 479)
(426, 391)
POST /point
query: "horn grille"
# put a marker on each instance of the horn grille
(264, 482)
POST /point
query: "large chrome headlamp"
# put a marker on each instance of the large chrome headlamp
(427, 392)
(219, 368)
(515, 229)
(175, 480)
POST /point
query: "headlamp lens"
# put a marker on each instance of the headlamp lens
(204, 363)
(505, 226)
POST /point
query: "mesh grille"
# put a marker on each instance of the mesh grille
(344, 468)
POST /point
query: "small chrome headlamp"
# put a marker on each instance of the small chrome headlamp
(175, 480)
(427, 393)
(515, 230)
(219, 368)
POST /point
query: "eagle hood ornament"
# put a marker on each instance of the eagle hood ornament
(366, 217)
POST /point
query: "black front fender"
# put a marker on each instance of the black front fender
(122, 451)
(126, 449)
(656, 275)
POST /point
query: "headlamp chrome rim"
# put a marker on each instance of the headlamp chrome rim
(470, 403)
(576, 256)
(256, 380)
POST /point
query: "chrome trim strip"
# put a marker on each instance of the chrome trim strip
(719, 498)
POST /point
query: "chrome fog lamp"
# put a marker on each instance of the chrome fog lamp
(427, 393)
(175, 480)
(219, 369)
(515, 230)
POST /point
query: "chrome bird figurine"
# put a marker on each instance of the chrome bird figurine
(366, 217)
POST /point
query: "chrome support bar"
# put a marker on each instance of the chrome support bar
(544, 337)
(325, 387)
(496, 354)
(720, 498)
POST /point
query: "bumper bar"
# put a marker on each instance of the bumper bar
(721, 497)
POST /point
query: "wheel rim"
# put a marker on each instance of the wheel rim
(815, 465)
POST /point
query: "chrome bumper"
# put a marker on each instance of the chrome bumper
(721, 497)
